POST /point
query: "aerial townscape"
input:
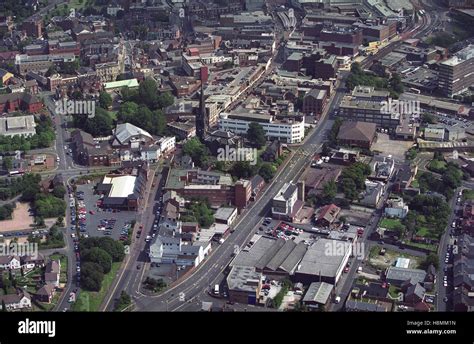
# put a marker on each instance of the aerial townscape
(236, 155)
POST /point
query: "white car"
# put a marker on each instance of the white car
(445, 283)
(453, 224)
(73, 235)
(446, 260)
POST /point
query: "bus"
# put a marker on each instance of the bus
(16, 173)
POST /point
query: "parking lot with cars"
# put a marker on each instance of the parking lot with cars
(97, 222)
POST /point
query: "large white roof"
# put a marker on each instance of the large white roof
(126, 131)
(122, 186)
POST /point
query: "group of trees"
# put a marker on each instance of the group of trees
(155, 285)
(201, 212)
(15, 9)
(256, 135)
(142, 107)
(332, 135)
(427, 211)
(352, 180)
(197, 151)
(97, 256)
(359, 77)
(123, 301)
(6, 211)
(43, 138)
(54, 239)
(47, 205)
(451, 178)
(11, 187)
(64, 68)
(140, 115)
(327, 196)
(99, 125)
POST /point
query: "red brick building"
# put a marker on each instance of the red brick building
(468, 217)
(314, 102)
(20, 102)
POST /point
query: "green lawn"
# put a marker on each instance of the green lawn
(393, 291)
(430, 247)
(437, 166)
(415, 184)
(468, 195)
(390, 223)
(374, 251)
(90, 301)
(423, 231)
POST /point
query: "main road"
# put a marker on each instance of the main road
(213, 266)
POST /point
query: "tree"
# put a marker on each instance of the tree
(256, 135)
(114, 248)
(165, 99)
(4, 308)
(267, 171)
(99, 256)
(349, 188)
(329, 192)
(427, 118)
(148, 93)
(202, 212)
(59, 191)
(431, 259)
(243, 169)
(123, 301)
(196, 150)
(92, 276)
(105, 100)
(7, 162)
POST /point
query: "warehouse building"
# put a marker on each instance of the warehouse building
(324, 261)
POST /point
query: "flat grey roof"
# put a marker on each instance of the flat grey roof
(325, 257)
(243, 278)
(402, 274)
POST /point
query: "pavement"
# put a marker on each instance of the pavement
(442, 291)
(211, 270)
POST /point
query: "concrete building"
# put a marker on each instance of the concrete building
(456, 74)
(285, 203)
(226, 215)
(20, 125)
(289, 131)
(244, 284)
(324, 261)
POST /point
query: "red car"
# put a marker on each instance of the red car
(91, 212)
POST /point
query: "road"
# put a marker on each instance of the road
(211, 269)
(130, 277)
(441, 306)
